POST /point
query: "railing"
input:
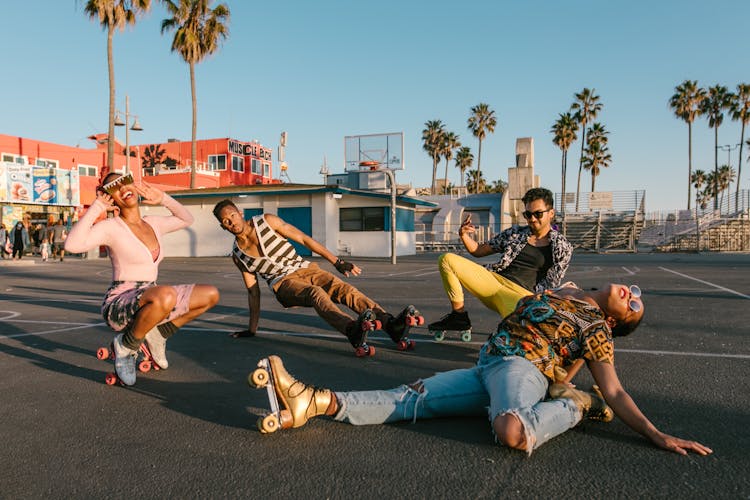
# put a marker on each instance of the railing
(428, 240)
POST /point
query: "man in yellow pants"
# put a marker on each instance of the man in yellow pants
(532, 258)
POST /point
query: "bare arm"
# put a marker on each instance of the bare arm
(474, 248)
(625, 408)
(289, 231)
(253, 301)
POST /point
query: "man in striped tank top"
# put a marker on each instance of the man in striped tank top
(262, 249)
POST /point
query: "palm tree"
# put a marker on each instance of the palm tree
(432, 141)
(564, 131)
(481, 121)
(698, 179)
(113, 15)
(726, 177)
(498, 186)
(740, 108)
(475, 181)
(198, 31)
(450, 144)
(464, 159)
(713, 107)
(586, 107)
(686, 104)
(596, 153)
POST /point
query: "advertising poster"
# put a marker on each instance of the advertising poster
(3, 182)
(19, 183)
(75, 188)
(45, 185)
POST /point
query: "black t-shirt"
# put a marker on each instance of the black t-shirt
(530, 266)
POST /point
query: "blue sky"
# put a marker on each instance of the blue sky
(327, 69)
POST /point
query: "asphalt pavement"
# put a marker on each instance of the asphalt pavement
(189, 431)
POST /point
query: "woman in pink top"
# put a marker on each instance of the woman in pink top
(134, 304)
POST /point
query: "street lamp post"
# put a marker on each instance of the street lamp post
(136, 126)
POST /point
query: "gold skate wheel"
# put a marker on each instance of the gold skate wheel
(268, 424)
(258, 379)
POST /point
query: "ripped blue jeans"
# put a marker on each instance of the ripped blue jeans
(495, 386)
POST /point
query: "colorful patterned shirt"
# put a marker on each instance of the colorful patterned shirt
(510, 242)
(550, 331)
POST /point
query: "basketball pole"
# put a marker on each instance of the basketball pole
(392, 180)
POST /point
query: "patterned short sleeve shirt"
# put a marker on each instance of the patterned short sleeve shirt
(550, 331)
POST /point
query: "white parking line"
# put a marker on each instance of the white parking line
(693, 354)
(629, 271)
(707, 283)
(48, 332)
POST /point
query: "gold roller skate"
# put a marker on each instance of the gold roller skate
(292, 402)
(592, 406)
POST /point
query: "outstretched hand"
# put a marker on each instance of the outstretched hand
(105, 198)
(149, 194)
(347, 268)
(681, 446)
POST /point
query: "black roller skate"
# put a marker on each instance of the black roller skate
(357, 333)
(398, 327)
(454, 321)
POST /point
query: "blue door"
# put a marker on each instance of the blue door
(301, 218)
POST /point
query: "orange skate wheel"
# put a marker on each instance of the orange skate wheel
(102, 353)
(411, 321)
(258, 378)
(377, 325)
(110, 379)
(420, 320)
(402, 345)
(268, 424)
(370, 351)
(144, 366)
(411, 345)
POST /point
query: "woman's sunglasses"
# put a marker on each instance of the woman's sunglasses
(115, 185)
(634, 305)
(538, 214)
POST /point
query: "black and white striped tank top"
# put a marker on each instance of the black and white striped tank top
(278, 257)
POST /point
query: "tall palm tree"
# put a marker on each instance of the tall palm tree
(432, 142)
(596, 154)
(113, 15)
(564, 133)
(713, 106)
(481, 121)
(586, 107)
(451, 142)
(198, 30)
(464, 159)
(740, 109)
(686, 104)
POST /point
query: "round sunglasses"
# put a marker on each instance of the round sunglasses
(635, 292)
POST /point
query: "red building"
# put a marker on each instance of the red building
(219, 163)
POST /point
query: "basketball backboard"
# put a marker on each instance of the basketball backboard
(374, 152)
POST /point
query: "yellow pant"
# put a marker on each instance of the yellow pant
(494, 291)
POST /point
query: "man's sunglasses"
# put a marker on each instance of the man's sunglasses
(538, 214)
(635, 292)
(113, 186)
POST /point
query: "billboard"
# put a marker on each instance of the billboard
(38, 185)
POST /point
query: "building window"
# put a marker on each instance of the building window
(255, 167)
(362, 219)
(238, 164)
(217, 162)
(266, 170)
(40, 162)
(11, 158)
(87, 170)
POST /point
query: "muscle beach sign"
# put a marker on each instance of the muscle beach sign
(249, 149)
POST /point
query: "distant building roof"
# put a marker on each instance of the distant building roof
(289, 189)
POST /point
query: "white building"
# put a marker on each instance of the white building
(346, 221)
